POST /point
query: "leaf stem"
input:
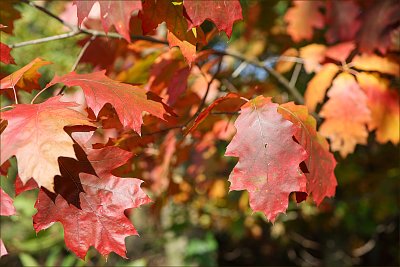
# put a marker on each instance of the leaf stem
(6, 107)
(295, 74)
(82, 52)
(36, 96)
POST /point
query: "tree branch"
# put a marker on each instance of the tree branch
(46, 39)
(82, 52)
(47, 12)
(75, 31)
(203, 100)
(281, 79)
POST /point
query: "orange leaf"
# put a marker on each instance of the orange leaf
(26, 77)
(313, 55)
(283, 65)
(35, 135)
(320, 163)
(318, 85)
(302, 18)
(346, 115)
(376, 63)
(384, 105)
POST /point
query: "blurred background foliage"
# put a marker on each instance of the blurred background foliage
(205, 225)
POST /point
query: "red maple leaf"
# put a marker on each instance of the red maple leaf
(269, 158)
(5, 55)
(342, 18)
(129, 101)
(35, 135)
(9, 14)
(222, 13)
(155, 12)
(90, 202)
(378, 22)
(117, 13)
(320, 163)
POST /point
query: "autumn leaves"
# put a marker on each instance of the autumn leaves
(353, 72)
(271, 142)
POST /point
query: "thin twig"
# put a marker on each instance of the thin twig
(281, 79)
(295, 75)
(15, 95)
(6, 107)
(49, 13)
(82, 52)
(290, 59)
(88, 32)
(46, 39)
(183, 126)
(36, 96)
(78, 59)
(14, 91)
(203, 101)
(75, 31)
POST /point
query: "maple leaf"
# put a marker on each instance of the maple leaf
(35, 135)
(342, 18)
(346, 115)
(384, 106)
(25, 78)
(313, 55)
(8, 15)
(186, 45)
(269, 158)
(108, 48)
(320, 163)
(223, 13)
(378, 22)
(340, 52)
(90, 202)
(302, 18)
(129, 101)
(5, 55)
(20, 187)
(316, 88)
(371, 62)
(155, 12)
(177, 85)
(117, 13)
